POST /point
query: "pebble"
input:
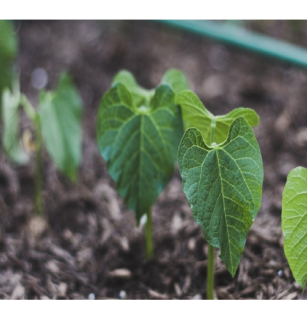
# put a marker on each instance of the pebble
(191, 244)
(280, 273)
(91, 296)
(122, 294)
(196, 297)
(37, 226)
(39, 78)
(176, 223)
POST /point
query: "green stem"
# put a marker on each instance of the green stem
(28, 108)
(148, 235)
(34, 117)
(210, 273)
(210, 265)
(213, 124)
(38, 171)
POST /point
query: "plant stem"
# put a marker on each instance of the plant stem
(210, 273)
(210, 263)
(148, 235)
(34, 117)
(38, 170)
(213, 125)
(28, 108)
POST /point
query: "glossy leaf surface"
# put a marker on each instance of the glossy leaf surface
(60, 118)
(196, 115)
(294, 223)
(139, 141)
(223, 184)
(10, 114)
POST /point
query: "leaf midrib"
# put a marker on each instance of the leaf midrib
(222, 190)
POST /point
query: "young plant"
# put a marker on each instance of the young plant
(222, 174)
(8, 51)
(294, 223)
(138, 134)
(57, 124)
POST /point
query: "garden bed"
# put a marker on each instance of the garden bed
(88, 245)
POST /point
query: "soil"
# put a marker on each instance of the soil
(88, 245)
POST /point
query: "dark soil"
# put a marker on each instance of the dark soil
(88, 241)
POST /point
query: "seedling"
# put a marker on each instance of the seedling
(138, 134)
(57, 124)
(294, 223)
(222, 174)
(8, 51)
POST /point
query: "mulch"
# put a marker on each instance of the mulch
(87, 245)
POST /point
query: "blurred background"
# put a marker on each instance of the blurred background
(88, 245)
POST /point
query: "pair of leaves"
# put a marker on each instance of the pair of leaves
(222, 182)
(59, 118)
(294, 223)
(196, 115)
(138, 133)
(8, 51)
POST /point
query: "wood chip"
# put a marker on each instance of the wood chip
(248, 291)
(157, 295)
(290, 296)
(122, 273)
(223, 293)
(177, 290)
(52, 267)
(187, 284)
(62, 289)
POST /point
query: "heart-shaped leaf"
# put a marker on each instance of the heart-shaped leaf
(8, 50)
(194, 114)
(223, 184)
(10, 114)
(141, 96)
(176, 80)
(60, 117)
(294, 223)
(139, 139)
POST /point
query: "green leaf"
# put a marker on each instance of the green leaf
(294, 223)
(8, 51)
(10, 114)
(139, 94)
(194, 114)
(223, 184)
(60, 118)
(139, 143)
(176, 80)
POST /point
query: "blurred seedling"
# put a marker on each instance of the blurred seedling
(8, 52)
(56, 124)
